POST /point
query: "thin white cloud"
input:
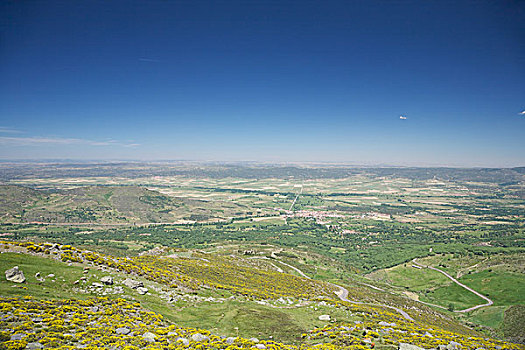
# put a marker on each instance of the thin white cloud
(522, 112)
(402, 117)
(33, 141)
(145, 59)
(8, 130)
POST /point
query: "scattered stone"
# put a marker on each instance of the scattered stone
(404, 346)
(453, 345)
(142, 290)
(260, 346)
(97, 285)
(51, 275)
(255, 340)
(123, 330)
(34, 346)
(184, 341)
(17, 336)
(107, 280)
(128, 282)
(199, 337)
(230, 340)
(149, 337)
(324, 318)
(15, 275)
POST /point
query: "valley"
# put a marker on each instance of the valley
(263, 252)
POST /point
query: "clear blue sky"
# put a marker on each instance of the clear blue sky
(264, 80)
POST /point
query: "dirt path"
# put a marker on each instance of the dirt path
(488, 303)
(343, 294)
(295, 200)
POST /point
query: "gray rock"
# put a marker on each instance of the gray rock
(107, 280)
(51, 275)
(15, 275)
(18, 336)
(230, 340)
(128, 282)
(260, 346)
(34, 346)
(123, 330)
(149, 337)
(255, 340)
(453, 345)
(324, 318)
(184, 341)
(199, 337)
(142, 290)
(97, 285)
(405, 346)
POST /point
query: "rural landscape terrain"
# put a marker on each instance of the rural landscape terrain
(171, 255)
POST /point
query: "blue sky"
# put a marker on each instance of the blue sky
(264, 80)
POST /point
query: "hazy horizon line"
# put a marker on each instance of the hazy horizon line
(353, 164)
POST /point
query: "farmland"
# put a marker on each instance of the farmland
(355, 227)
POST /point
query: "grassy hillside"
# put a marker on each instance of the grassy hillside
(104, 205)
(188, 293)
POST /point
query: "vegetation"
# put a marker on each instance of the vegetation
(240, 231)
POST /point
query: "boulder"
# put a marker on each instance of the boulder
(123, 330)
(324, 318)
(149, 337)
(199, 337)
(34, 346)
(230, 340)
(15, 275)
(405, 346)
(17, 336)
(260, 346)
(128, 282)
(453, 345)
(184, 341)
(107, 280)
(142, 290)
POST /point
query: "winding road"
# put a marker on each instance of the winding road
(343, 294)
(488, 303)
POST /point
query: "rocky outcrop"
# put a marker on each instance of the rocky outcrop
(107, 280)
(128, 282)
(142, 290)
(149, 337)
(404, 346)
(15, 275)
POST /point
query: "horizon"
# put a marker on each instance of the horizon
(318, 164)
(424, 84)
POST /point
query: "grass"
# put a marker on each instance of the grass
(64, 276)
(503, 288)
(453, 294)
(411, 278)
(491, 316)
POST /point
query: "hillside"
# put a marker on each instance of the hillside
(74, 298)
(103, 205)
